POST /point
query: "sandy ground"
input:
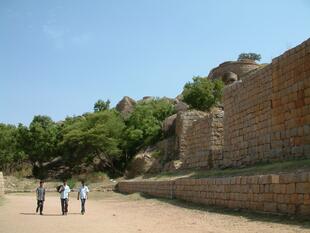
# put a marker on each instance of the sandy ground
(115, 213)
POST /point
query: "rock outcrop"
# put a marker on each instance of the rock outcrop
(141, 163)
(180, 106)
(126, 106)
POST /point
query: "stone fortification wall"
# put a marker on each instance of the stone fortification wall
(204, 141)
(168, 148)
(184, 122)
(285, 194)
(267, 115)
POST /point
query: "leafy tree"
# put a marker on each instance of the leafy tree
(144, 123)
(202, 93)
(40, 140)
(10, 153)
(96, 135)
(250, 56)
(101, 105)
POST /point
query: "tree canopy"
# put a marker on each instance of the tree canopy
(144, 124)
(250, 56)
(43, 138)
(202, 93)
(10, 152)
(96, 135)
(101, 105)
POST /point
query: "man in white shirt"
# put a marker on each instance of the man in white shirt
(83, 195)
(64, 191)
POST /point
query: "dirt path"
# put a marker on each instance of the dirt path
(122, 214)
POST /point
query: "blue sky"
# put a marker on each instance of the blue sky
(58, 57)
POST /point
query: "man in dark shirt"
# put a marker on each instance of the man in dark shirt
(40, 197)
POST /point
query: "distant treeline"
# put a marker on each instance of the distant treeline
(102, 136)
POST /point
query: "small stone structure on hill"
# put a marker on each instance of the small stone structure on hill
(238, 68)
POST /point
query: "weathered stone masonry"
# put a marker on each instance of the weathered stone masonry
(286, 194)
(184, 122)
(238, 67)
(1, 184)
(267, 115)
(247, 120)
(204, 141)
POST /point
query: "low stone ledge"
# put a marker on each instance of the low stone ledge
(280, 194)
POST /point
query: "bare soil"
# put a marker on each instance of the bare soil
(115, 213)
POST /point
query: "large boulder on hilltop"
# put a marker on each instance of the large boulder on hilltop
(150, 98)
(126, 106)
(181, 106)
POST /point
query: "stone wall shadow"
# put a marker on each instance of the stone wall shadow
(301, 221)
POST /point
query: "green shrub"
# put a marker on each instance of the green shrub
(250, 56)
(203, 93)
(144, 124)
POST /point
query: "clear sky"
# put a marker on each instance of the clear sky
(58, 57)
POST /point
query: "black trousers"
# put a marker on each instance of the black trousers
(40, 206)
(64, 205)
(83, 205)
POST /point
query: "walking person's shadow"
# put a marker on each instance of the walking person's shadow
(41, 215)
(48, 215)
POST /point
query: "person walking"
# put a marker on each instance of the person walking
(40, 197)
(64, 191)
(83, 195)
